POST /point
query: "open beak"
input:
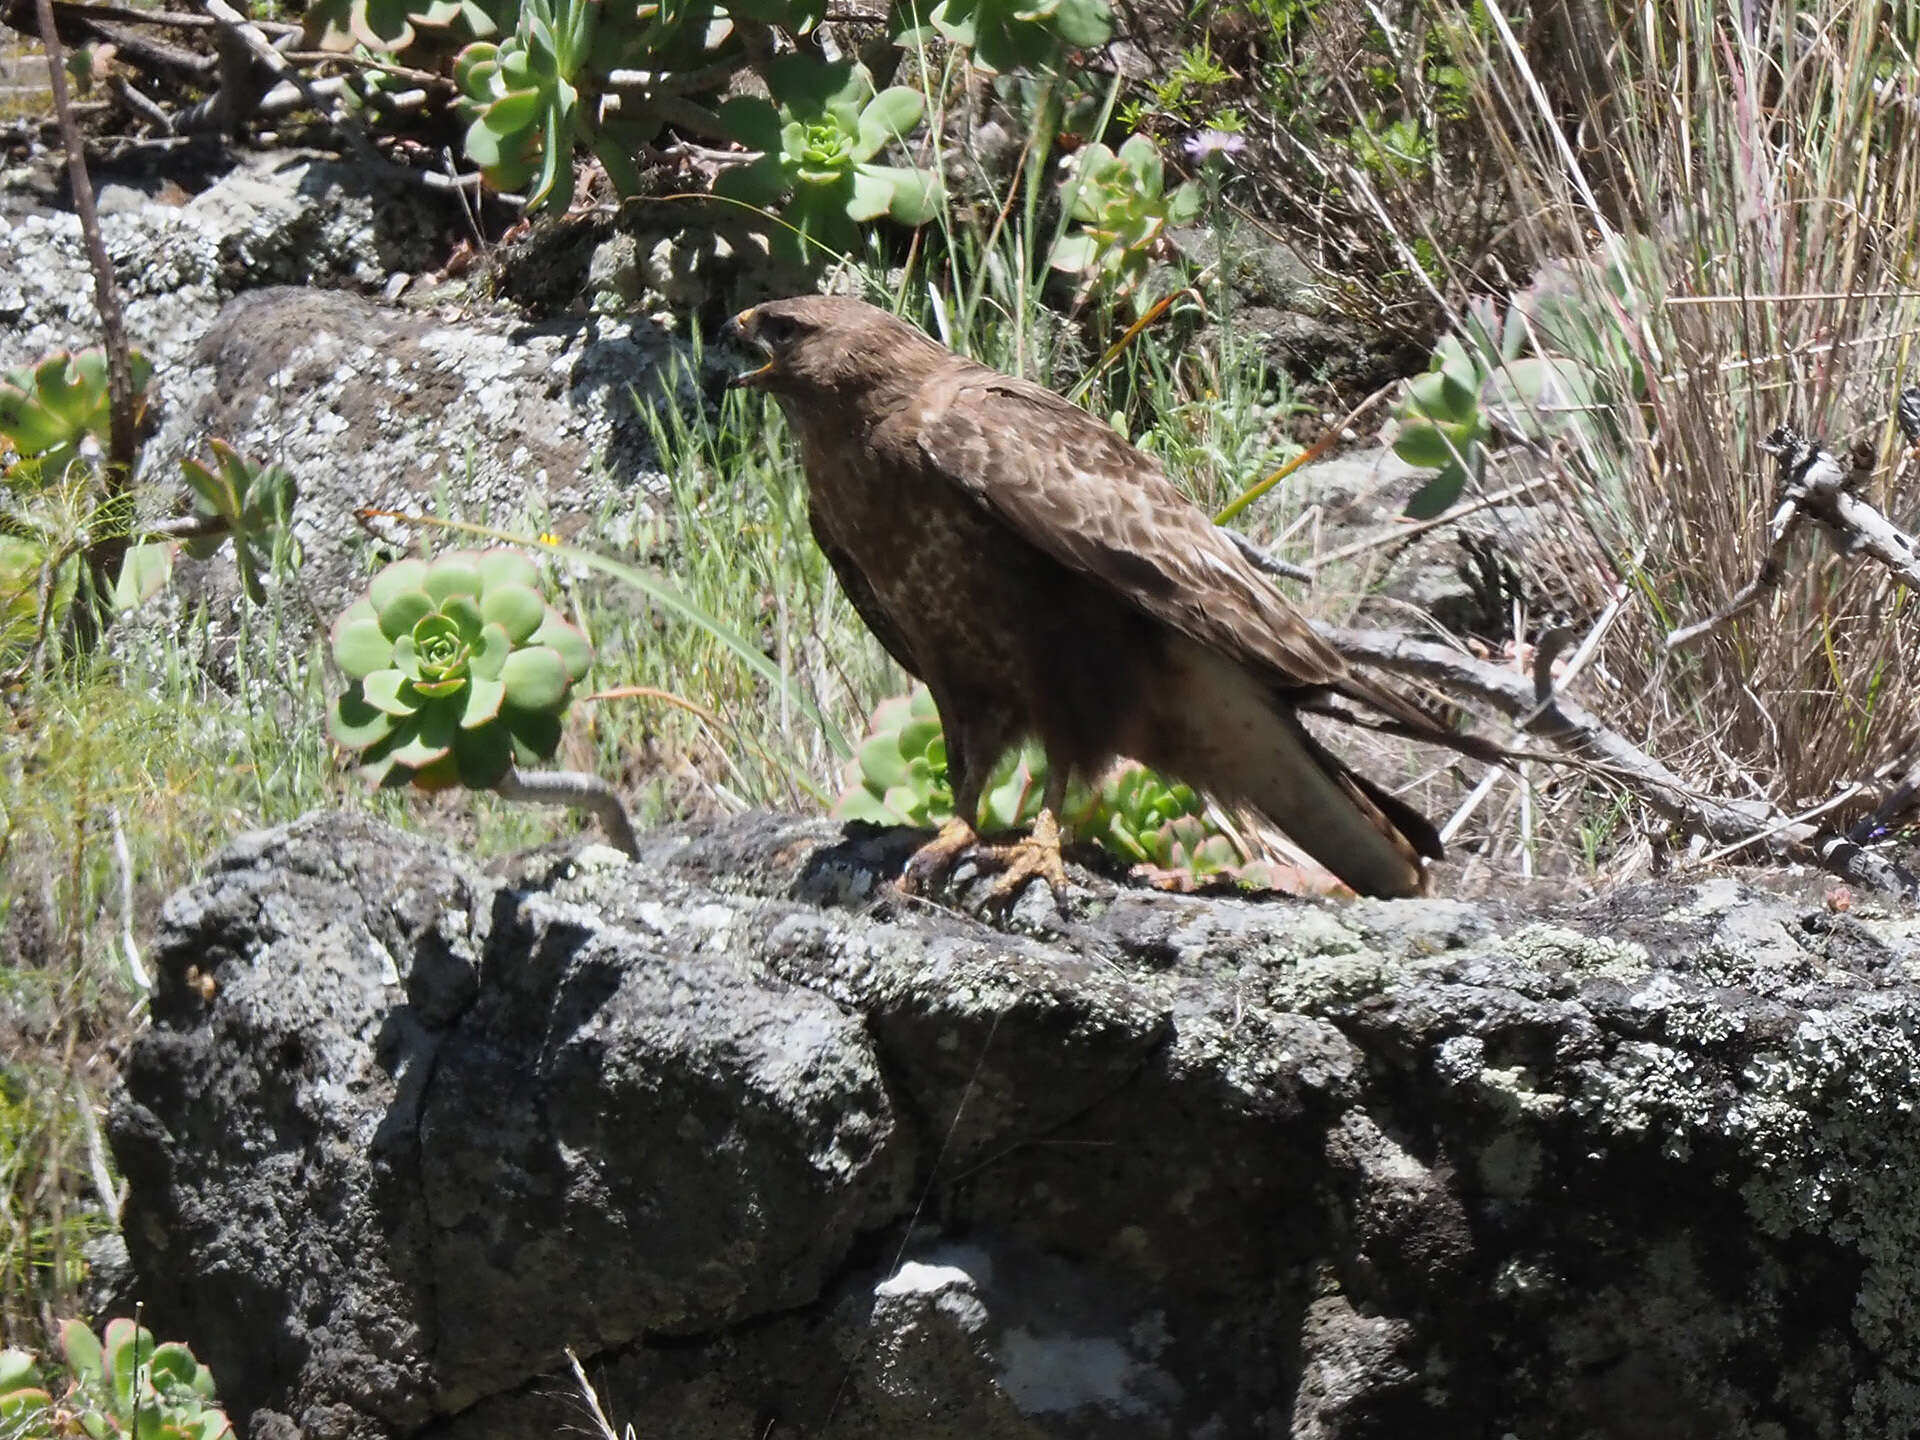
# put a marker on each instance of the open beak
(740, 330)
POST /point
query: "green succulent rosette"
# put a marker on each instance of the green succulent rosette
(1010, 34)
(48, 409)
(820, 138)
(1121, 207)
(460, 669)
(123, 1383)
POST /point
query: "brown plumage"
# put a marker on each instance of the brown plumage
(1046, 580)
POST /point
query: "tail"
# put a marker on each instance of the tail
(1240, 741)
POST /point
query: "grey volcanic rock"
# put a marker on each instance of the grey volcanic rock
(254, 299)
(276, 218)
(477, 416)
(769, 1149)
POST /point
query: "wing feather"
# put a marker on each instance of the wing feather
(1068, 484)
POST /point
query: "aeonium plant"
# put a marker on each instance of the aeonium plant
(459, 667)
(459, 672)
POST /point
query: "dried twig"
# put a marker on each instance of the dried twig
(1577, 730)
(104, 551)
(1261, 560)
(140, 104)
(1816, 484)
(1400, 533)
(84, 24)
(577, 789)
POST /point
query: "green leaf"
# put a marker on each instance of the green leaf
(1142, 157)
(27, 425)
(804, 87)
(917, 736)
(397, 578)
(882, 765)
(516, 608)
(360, 645)
(567, 641)
(431, 740)
(491, 653)
(355, 724)
(481, 756)
(450, 575)
(1077, 252)
(17, 1371)
(1429, 443)
(484, 698)
(893, 113)
(513, 111)
(751, 121)
(506, 567)
(406, 609)
(860, 804)
(212, 493)
(1434, 497)
(872, 196)
(144, 572)
(491, 148)
(759, 184)
(464, 614)
(1083, 23)
(536, 733)
(125, 1344)
(174, 1363)
(536, 679)
(387, 690)
(1439, 395)
(915, 196)
(1183, 204)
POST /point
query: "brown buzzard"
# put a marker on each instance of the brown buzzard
(1046, 580)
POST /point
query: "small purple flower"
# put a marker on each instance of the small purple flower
(1204, 146)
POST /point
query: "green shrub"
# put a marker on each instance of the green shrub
(819, 138)
(1121, 209)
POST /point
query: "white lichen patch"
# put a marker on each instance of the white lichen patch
(1553, 950)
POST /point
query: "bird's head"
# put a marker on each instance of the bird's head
(821, 344)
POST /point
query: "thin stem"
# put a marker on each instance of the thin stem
(105, 552)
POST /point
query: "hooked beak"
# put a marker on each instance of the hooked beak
(739, 330)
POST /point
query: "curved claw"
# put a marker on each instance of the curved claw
(929, 866)
(1037, 857)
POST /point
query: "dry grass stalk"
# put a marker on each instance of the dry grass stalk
(1758, 207)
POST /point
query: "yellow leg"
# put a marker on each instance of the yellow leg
(1037, 857)
(929, 865)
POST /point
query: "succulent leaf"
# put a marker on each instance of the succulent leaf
(477, 678)
(515, 606)
(535, 679)
(388, 691)
(395, 580)
(355, 722)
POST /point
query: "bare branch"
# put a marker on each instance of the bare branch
(1577, 730)
(578, 789)
(1261, 560)
(103, 554)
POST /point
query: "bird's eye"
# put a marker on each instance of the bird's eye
(778, 329)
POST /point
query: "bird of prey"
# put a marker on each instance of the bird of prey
(1046, 580)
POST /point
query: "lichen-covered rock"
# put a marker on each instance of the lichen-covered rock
(476, 416)
(276, 218)
(770, 1148)
(255, 298)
